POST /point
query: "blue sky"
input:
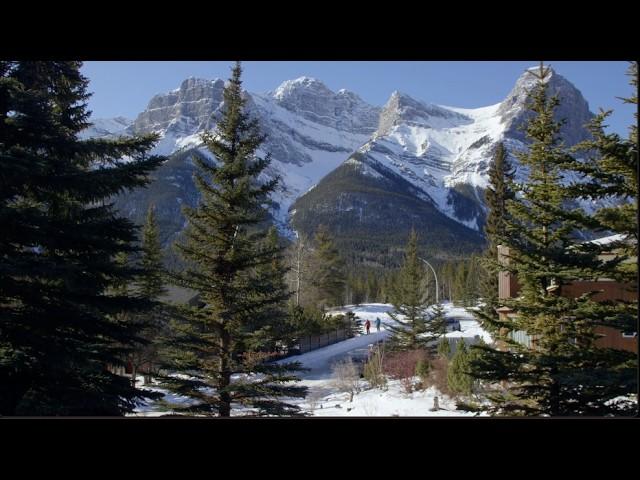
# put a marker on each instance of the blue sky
(124, 88)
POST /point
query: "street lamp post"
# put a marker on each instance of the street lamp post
(435, 275)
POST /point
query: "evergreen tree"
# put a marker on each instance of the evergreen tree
(444, 348)
(355, 295)
(437, 322)
(611, 166)
(60, 305)
(471, 282)
(447, 275)
(271, 329)
(353, 324)
(329, 276)
(152, 282)
(460, 285)
(361, 293)
(151, 286)
(410, 300)
(562, 373)
(224, 245)
(499, 191)
(458, 377)
(305, 321)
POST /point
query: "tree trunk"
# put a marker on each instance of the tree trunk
(298, 270)
(133, 374)
(225, 376)
(554, 395)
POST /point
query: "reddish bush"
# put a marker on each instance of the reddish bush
(402, 366)
(438, 375)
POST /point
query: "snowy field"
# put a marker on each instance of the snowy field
(325, 399)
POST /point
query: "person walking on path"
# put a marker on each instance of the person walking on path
(378, 324)
(367, 325)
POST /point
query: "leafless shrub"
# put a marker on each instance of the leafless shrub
(374, 368)
(347, 377)
(314, 397)
(370, 409)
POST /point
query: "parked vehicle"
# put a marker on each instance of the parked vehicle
(453, 325)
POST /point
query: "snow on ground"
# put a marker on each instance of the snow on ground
(609, 239)
(324, 398)
(375, 402)
(379, 403)
(152, 409)
(469, 327)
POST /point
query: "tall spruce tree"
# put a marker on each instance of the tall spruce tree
(151, 286)
(437, 327)
(411, 302)
(472, 281)
(608, 168)
(224, 245)
(60, 308)
(152, 282)
(499, 191)
(444, 348)
(460, 293)
(329, 277)
(562, 372)
(271, 328)
(610, 165)
(447, 274)
(458, 374)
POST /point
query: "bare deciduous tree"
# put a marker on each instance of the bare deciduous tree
(374, 368)
(313, 398)
(299, 267)
(347, 377)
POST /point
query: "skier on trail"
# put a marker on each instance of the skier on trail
(367, 325)
(378, 323)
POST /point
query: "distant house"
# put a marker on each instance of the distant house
(180, 295)
(608, 289)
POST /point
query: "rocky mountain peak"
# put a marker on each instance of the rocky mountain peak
(191, 105)
(313, 100)
(106, 127)
(300, 86)
(573, 107)
(401, 108)
(438, 154)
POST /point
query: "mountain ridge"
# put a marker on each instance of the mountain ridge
(443, 152)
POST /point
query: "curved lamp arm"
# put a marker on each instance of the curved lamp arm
(435, 275)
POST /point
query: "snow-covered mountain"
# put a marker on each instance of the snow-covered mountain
(438, 155)
(310, 129)
(446, 151)
(107, 127)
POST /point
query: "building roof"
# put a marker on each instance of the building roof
(619, 237)
(179, 295)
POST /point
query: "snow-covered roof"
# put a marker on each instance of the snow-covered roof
(609, 239)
